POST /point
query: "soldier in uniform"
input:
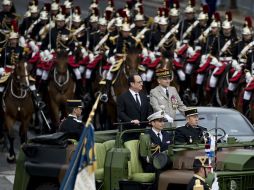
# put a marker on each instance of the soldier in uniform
(72, 125)
(189, 19)
(208, 41)
(120, 45)
(58, 37)
(222, 49)
(165, 97)
(159, 139)
(35, 30)
(201, 169)
(191, 132)
(28, 21)
(7, 15)
(240, 57)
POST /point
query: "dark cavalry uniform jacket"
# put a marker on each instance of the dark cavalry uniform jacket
(54, 41)
(188, 134)
(167, 139)
(72, 126)
(202, 182)
(10, 55)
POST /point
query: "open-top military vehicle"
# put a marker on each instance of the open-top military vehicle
(43, 161)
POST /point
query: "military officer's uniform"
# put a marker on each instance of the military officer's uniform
(189, 134)
(197, 180)
(159, 141)
(71, 125)
(166, 99)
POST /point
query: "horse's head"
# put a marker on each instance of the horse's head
(62, 62)
(132, 63)
(21, 74)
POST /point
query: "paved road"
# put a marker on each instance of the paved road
(7, 171)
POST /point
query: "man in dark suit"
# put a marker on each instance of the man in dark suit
(72, 125)
(191, 132)
(201, 169)
(133, 106)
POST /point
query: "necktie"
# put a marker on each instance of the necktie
(159, 136)
(167, 92)
(137, 100)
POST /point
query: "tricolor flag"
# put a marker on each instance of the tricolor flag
(80, 174)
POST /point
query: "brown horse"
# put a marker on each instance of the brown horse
(18, 105)
(60, 88)
(120, 84)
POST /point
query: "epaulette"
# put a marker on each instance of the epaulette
(113, 39)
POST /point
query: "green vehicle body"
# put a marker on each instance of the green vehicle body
(118, 165)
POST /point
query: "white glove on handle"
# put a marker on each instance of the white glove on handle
(170, 119)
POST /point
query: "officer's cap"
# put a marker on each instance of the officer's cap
(156, 115)
(6, 2)
(201, 161)
(160, 73)
(190, 112)
(74, 103)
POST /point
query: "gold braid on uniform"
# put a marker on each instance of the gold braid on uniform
(59, 43)
(155, 149)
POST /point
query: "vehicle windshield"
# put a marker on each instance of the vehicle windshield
(232, 122)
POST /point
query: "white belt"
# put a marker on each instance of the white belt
(225, 58)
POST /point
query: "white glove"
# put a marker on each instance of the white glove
(215, 185)
(170, 119)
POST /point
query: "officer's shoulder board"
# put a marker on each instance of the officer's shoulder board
(113, 38)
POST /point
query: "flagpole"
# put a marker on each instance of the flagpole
(92, 113)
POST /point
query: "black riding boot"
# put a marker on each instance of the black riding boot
(230, 96)
(183, 87)
(246, 108)
(1, 120)
(199, 92)
(88, 86)
(213, 97)
(37, 100)
(105, 91)
(80, 90)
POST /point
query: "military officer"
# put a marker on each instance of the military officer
(222, 49)
(28, 21)
(35, 31)
(201, 169)
(191, 132)
(72, 125)
(159, 139)
(165, 96)
(7, 15)
(58, 37)
(240, 57)
(120, 45)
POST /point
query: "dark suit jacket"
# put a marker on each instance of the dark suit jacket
(72, 127)
(193, 181)
(187, 133)
(128, 109)
(167, 139)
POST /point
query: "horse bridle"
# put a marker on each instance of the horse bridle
(65, 82)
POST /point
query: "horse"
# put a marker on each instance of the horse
(60, 88)
(127, 66)
(18, 105)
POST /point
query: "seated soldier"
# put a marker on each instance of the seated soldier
(159, 140)
(201, 169)
(191, 132)
(71, 125)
